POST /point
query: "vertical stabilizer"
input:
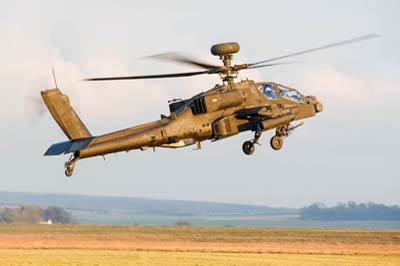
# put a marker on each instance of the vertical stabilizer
(61, 110)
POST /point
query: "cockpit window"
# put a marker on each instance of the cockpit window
(268, 90)
(291, 94)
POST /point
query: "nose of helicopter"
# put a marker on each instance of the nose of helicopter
(319, 107)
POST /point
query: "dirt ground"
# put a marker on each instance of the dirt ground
(83, 257)
(202, 239)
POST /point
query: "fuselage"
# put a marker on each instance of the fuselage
(221, 112)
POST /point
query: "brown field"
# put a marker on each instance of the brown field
(31, 244)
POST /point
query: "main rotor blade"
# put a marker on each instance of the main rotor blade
(184, 60)
(358, 39)
(272, 64)
(172, 75)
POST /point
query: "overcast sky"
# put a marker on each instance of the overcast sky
(348, 152)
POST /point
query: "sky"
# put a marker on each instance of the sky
(347, 153)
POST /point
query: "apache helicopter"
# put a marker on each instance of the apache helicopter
(223, 111)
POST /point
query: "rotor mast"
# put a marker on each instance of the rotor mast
(225, 52)
(229, 73)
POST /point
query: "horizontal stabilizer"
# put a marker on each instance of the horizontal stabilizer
(68, 146)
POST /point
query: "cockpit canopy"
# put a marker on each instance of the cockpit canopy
(272, 91)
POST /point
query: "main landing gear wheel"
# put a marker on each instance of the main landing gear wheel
(248, 147)
(276, 143)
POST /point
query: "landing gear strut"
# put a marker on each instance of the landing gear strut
(281, 132)
(70, 164)
(248, 146)
(277, 140)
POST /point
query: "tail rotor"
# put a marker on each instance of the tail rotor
(34, 106)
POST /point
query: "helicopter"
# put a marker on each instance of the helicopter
(223, 111)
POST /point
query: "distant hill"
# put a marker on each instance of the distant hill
(351, 211)
(138, 206)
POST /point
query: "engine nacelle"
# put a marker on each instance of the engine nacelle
(225, 127)
(224, 100)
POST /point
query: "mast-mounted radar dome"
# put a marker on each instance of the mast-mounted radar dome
(224, 49)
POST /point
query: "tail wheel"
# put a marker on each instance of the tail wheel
(248, 147)
(276, 143)
(69, 171)
(70, 164)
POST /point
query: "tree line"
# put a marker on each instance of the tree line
(34, 214)
(351, 211)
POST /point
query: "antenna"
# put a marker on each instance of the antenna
(52, 69)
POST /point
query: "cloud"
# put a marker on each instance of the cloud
(81, 50)
(342, 90)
